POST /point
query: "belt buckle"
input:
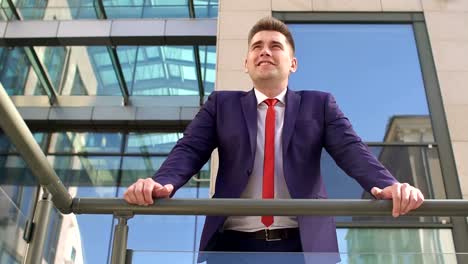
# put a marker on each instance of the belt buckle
(267, 236)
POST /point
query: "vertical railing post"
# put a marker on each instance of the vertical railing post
(40, 223)
(119, 245)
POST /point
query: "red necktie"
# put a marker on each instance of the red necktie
(268, 190)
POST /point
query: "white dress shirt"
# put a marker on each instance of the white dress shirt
(253, 189)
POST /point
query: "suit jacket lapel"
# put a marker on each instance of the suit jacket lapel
(249, 108)
(293, 101)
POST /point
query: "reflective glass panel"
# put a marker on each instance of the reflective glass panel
(87, 170)
(167, 232)
(14, 171)
(114, 9)
(356, 246)
(83, 142)
(16, 73)
(372, 70)
(208, 67)
(165, 70)
(417, 165)
(396, 245)
(6, 146)
(151, 142)
(134, 168)
(12, 221)
(53, 59)
(89, 71)
(80, 238)
(206, 8)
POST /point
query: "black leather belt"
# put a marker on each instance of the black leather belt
(265, 234)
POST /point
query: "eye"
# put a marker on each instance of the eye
(277, 46)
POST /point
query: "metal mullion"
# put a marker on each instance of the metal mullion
(42, 74)
(37, 65)
(101, 13)
(13, 10)
(201, 88)
(441, 134)
(191, 8)
(100, 10)
(119, 72)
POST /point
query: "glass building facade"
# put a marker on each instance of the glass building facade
(107, 115)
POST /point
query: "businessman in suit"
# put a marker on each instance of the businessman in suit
(269, 141)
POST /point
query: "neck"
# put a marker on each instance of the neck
(271, 90)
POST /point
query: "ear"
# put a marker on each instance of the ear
(293, 67)
(246, 70)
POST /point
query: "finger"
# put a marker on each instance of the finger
(413, 201)
(129, 195)
(420, 199)
(148, 191)
(396, 196)
(158, 190)
(139, 192)
(405, 197)
(377, 192)
(169, 188)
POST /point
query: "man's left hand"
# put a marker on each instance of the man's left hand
(405, 197)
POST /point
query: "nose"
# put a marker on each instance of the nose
(265, 52)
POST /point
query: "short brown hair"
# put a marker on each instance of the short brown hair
(273, 24)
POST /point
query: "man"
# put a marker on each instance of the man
(269, 142)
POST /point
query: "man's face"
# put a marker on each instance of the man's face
(270, 57)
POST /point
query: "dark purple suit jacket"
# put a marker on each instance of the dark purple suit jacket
(312, 121)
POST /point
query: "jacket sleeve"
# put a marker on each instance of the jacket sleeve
(193, 150)
(349, 152)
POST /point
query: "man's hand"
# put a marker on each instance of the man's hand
(405, 197)
(143, 191)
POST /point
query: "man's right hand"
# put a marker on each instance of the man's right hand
(143, 191)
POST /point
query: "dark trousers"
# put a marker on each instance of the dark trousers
(232, 248)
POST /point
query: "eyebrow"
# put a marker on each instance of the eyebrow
(261, 41)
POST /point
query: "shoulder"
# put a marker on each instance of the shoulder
(221, 96)
(313, 95)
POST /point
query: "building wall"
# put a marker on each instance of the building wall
(446, 23)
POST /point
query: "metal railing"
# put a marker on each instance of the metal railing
(56, 194)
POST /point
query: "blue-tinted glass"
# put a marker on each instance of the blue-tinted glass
(32, 9)
(165, 70)
(84, 142)
(134, 168)
(53, 59)
(367, 245)
(41, 139)
(105, 73)
(86, 238)
(206, 8)
(418, 166)
(12, 223)
(16, 73)
(373, 71)
(14, 171)
(86, 170)
(167, 232)
(78, 87)
(208, 67)
(151, 142)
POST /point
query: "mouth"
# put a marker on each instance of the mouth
(265, 63)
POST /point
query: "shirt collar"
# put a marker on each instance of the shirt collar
(261, 97)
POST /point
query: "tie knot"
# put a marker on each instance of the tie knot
(271, 102)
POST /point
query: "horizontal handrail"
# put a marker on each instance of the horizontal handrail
(280, 207)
